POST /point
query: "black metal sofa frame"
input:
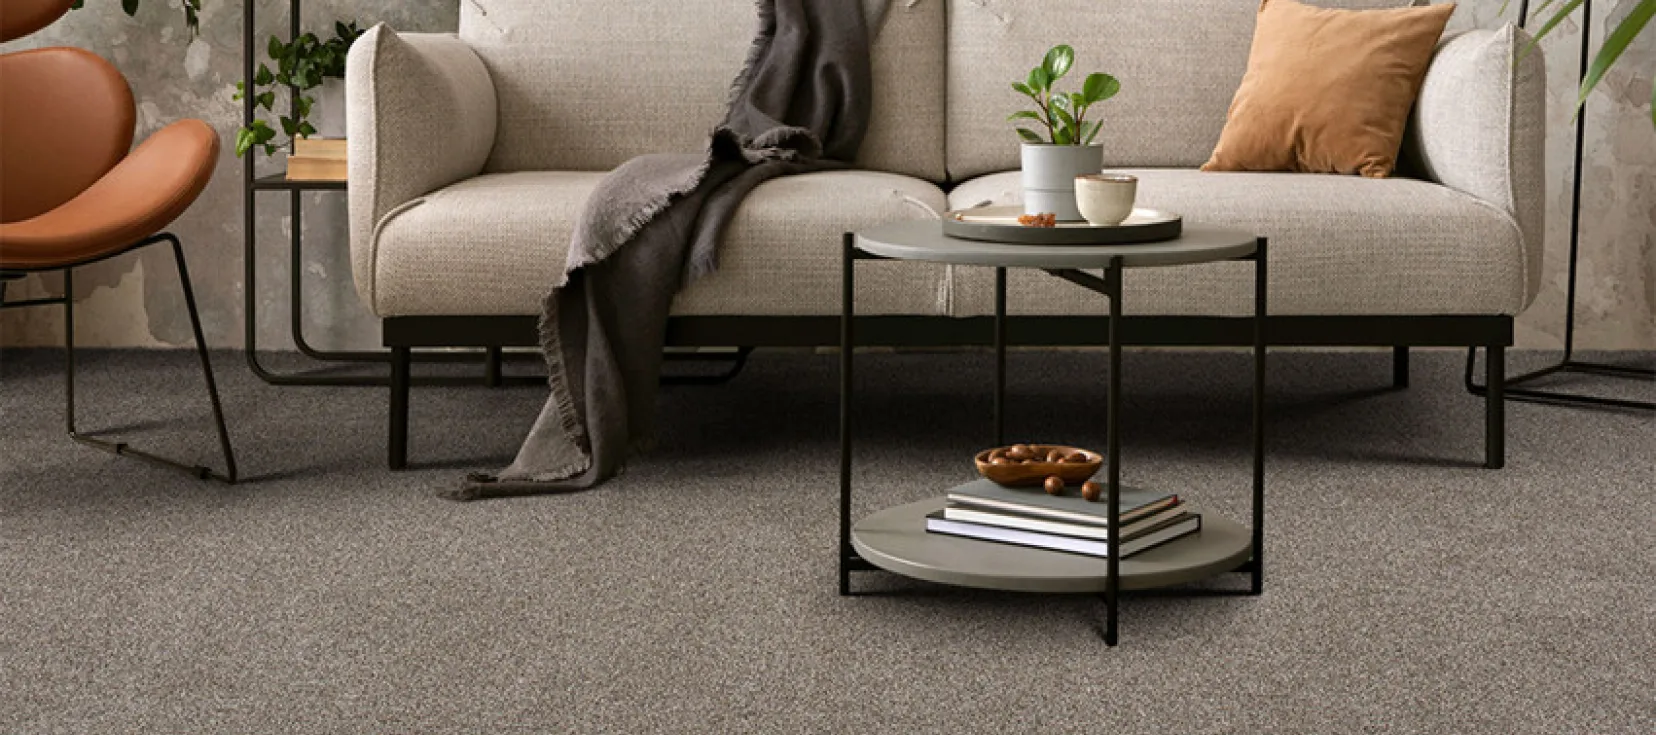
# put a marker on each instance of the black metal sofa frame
(1494, 333)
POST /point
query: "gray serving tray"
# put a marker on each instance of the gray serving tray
(1000, 224)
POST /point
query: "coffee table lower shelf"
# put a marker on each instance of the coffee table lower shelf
(896, 540)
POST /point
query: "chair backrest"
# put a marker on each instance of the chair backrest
(1179, 62)
(585, 85)
(19, 18)
(66, 119)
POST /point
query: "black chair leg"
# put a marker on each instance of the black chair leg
(1495, 408)
(397, 445)
(1400, 366)
(122, 448)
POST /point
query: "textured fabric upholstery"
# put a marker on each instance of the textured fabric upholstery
(587, 85)
(1338, 245)
(423, 117)
(420, 115)
(493, 244)
(1480, 127)
(1179, 62)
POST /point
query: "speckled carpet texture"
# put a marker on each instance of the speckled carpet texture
(1408, 590)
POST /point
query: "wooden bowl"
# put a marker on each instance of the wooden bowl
(1032, 474)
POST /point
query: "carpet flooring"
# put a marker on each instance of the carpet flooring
(1408, 589)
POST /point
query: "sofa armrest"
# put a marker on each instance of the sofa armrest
(420, 115)
(1479, 127)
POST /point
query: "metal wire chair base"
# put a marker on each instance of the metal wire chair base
(122, 448)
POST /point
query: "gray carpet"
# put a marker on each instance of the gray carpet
(1408, 590)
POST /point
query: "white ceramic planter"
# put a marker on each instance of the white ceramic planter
(328, 112)
(1049, 173)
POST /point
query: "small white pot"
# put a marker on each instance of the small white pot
(1049, 173)
(1105, 199)
(328, 111)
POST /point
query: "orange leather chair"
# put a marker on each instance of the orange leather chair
(72, 193)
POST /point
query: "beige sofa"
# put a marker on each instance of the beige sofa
(472, 154)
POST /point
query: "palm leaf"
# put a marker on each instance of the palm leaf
(1558, 17)
(1614, 45)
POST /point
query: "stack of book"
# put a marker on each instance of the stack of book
(1029, 517)
(317, 159)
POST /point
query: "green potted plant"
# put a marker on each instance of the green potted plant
(308, 63)
(1066, 150)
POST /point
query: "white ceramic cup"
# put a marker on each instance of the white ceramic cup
(1105, 199)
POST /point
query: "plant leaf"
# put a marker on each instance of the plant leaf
(1061, 136)
(1023, 89)
(1039, 79)
(1029, 136)
(1558, 17)
(1614, 44)
(244, 141)
(266, 99)
(1058, 61)
(1099, 87)
(1026, 115)
(1065, 120)
(1060, 100)
(1089, 131)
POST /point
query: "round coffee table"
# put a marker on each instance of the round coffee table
(896, 540)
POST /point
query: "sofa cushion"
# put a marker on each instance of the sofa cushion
(1179, 62)
(1328, 91)
(494, 244)
(1338, 245)
(586, 85)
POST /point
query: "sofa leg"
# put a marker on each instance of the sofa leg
(1400, 366)
(398, 442)
(491, 367)
(1495, 408)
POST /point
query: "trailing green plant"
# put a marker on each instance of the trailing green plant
(301, 65)
(1619, 38)
(192, 12)
(1063, 115)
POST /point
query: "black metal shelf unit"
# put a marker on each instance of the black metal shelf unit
(1567, 364)
(253, 185)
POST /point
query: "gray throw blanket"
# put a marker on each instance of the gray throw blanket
(800, 104)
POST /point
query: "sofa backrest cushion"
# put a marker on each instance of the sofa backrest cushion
(1179, 62)
(586, 85)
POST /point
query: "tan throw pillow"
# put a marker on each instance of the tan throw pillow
(1328, 91)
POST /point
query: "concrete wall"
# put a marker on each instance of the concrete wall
(134, 301)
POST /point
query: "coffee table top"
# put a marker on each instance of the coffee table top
(896, 539)
(924, 240)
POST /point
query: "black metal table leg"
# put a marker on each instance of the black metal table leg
(847, 313)
(1261, 287)
(1400, 365)
(1112, 420)
(1000, 357)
